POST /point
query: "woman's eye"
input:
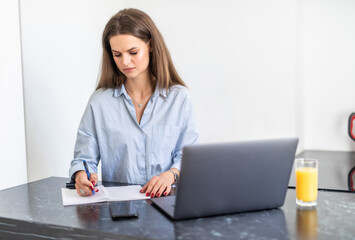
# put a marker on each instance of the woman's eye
(117, 55)
(133, 53)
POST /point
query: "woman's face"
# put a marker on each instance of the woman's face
(131, 55)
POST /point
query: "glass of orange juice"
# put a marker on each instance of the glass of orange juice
(306, 182)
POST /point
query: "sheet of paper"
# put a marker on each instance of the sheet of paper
(105, 194)
(125, 193)
(71, 197)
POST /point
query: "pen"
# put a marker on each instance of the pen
(87, 173)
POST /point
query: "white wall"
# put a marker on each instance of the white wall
(61, 56)
(254, 68)
(12, 130)
(238, 58)
(328, 53)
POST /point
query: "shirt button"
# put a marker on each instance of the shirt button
(142, 155)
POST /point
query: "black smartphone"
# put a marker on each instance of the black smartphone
(122, 210)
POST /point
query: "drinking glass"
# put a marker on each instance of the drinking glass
(306, 182)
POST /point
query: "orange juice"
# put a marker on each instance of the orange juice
(306, 184)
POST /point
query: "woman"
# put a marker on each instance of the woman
(140, 116)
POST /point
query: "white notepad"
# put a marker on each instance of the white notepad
(105, 194)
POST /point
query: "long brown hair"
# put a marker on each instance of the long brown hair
(138, 24)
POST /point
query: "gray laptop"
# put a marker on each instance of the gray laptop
(225, 178)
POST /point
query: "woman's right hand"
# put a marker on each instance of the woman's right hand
(83, 186)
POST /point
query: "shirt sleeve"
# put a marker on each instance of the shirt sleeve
(189, 133)
(86, 146)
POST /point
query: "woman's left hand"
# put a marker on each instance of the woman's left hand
(159, 185)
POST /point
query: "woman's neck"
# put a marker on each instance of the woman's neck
(140, 86)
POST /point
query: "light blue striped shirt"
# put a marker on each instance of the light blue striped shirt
(132, 152)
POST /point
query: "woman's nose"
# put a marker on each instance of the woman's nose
(126, 60)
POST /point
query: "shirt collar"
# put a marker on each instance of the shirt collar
(161, 91)
(122, 90)
(119, 91)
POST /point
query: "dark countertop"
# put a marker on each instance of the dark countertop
(35, 211)
(333, 169)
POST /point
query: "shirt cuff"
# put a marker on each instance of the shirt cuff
(77, 167)
(176, 164)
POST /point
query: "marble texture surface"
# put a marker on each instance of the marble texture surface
(35, 211)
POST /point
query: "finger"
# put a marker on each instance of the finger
(151, 184)
(156, 188)
(93, 178)
(84, 181)
(84, 186)
(144, 188)
(83, 190)
(90, 189)
(161, 190)
(167, 190)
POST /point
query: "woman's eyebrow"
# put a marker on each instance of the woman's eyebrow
(133, 48)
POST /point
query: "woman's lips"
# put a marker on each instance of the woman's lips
(128, 69)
